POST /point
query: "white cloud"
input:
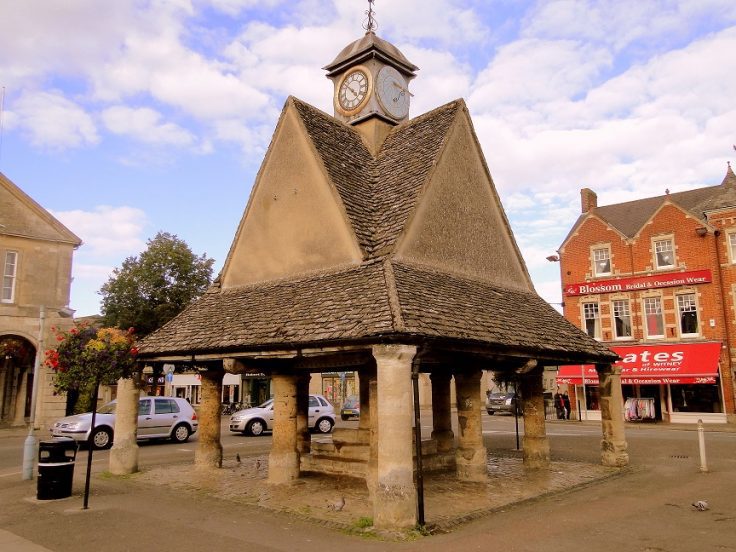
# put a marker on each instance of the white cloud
(619, 23)
(51, 120)
(530, 71)
(145, 125)
(107, 231)
(235, 7)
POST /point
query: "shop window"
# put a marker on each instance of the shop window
(653, 317)
(601, 261)
(592, 318)
(9, 271)
(688, 314)
(732, 246)
(622, 319)
(695, 398)
(664, 253)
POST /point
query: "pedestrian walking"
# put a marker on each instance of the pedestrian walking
(559, 406)
(566, 404)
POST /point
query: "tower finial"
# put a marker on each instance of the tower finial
(370, 23)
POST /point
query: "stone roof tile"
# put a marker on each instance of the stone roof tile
(437, 304)
(341, 305)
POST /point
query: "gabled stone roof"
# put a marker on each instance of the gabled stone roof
(379, 193)
(355, 304)
(20, 215)
(629, 217)
(379, 298)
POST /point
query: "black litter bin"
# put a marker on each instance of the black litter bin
(56, 459)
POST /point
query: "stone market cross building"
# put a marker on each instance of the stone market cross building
(378, 243)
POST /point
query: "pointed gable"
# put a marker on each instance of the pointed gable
(21, 216)
(348, 164)
(295, 221)
(459, 224)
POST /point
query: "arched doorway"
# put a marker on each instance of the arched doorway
(17, 355)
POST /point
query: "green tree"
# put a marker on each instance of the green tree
(151, 289)
(87, 357)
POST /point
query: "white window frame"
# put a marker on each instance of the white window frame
(731, 243)
(615, 303)
(692, 306)
(594, 259)
(647, 303)
(10, 277)
(656, 251)
(595, 309)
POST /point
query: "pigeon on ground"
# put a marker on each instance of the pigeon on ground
(701, 505)
(337, 506)
(237, 457)
(258, 464)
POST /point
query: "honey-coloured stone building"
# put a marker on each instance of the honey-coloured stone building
(375, 242)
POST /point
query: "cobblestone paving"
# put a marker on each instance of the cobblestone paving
(448, 502)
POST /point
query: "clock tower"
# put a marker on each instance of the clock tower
(371, 78)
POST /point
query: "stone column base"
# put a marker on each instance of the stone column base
(124, 457)
(471, 464)
(614, 455)
(398, 507)
(283, 467)
(209, 456)
(536, 452)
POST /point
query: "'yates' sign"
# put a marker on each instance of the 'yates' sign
(691, 278)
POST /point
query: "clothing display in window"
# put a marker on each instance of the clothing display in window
(639, 409)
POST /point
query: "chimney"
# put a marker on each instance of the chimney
(588, 200)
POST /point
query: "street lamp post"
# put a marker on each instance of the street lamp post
(29, 447)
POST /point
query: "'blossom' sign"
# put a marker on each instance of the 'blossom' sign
(694, 277)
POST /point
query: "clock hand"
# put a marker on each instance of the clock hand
(397, 85)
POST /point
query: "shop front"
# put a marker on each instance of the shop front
(678, 383)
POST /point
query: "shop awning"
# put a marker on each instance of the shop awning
(653, 364)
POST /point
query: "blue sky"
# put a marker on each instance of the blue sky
(129, 117)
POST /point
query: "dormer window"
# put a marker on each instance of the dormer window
(601, 261)
(664, 253)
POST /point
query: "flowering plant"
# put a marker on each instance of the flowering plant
(12, 347)
(86, 356)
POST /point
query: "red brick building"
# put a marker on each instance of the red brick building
(655, 280)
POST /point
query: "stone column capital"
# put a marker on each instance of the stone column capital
(611, 369)
(394, 352)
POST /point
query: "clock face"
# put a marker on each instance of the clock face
(353, 90)
(393, 92)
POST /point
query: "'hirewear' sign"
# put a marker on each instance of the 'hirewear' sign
(694, 277)
(682, 363)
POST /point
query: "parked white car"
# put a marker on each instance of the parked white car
(254, 421)
(158, 418)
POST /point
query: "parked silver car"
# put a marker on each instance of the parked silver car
(158, 418)
(254, 421)
(502, 402)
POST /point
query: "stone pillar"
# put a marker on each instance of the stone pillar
(395, 497)
(372, 472)
(613, 444)
(209, 448)
(365, 377)
(20, 399)
(442, 412)
(124, 452)
(470, 456)
(304, 438)
(535, 442)
(283, 462)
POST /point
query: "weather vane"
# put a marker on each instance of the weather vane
(370, 23)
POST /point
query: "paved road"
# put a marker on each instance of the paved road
(645, 510)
